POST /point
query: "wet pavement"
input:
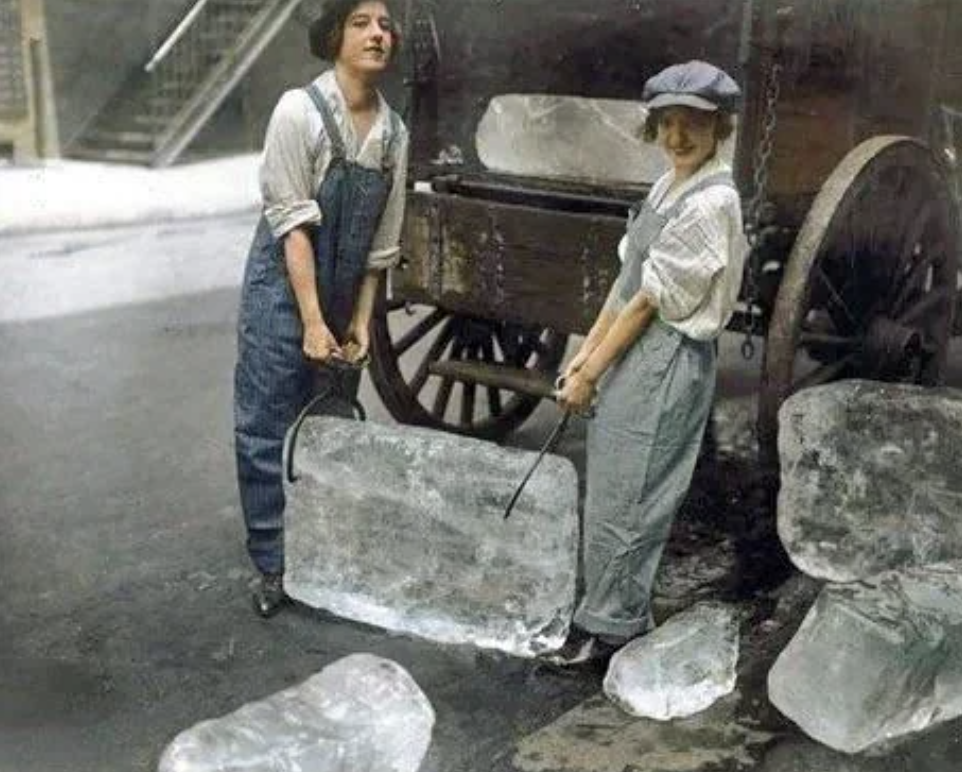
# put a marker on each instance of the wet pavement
(126, 615)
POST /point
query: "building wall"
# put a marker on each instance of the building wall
(28, 126)
(96, 44)
(285, 64)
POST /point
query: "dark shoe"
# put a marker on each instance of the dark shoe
(581, 648)
(269, 595)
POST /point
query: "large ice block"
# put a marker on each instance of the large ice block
(403, 528)
(876, 659)
(571, 137)
(360, 713)
(679, 669)
(870, 478)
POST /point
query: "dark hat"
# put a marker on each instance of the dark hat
(693, 84)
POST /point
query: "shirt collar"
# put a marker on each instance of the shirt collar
(329, 88)
(711, 166)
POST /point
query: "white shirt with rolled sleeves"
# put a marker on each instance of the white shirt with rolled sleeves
(297, 154)
(694, 268)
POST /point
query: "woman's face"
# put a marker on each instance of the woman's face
(368, 38)
(687, 136)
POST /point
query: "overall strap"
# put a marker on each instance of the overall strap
(657, 225)
(719, 178)
(330, 125)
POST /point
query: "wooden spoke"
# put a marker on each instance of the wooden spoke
(931, 302)
(442, 398)
(834, 296)
(494, 401)
(524, 352)
(419, 330)
(913, 236)
(911, 284)
(487, 349)
(538, 345)
(434, 354)
(494, 394)
(813, 338)
(468, 394)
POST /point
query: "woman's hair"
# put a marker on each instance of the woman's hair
(724, 125)
(326, 34)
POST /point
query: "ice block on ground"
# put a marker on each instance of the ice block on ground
(680, 668)
(360, 713)
(403, 528)
(875, 660)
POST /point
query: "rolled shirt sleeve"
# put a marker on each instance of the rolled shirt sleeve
(385, 248)
(687, 258)
(287, 168)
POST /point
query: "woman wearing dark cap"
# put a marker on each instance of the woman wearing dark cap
(649, 359)
(333, 182)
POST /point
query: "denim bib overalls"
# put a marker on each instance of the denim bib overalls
(273, 381)
(642, 446)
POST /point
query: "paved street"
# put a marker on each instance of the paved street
(126, 615)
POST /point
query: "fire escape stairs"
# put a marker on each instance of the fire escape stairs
(162, 106)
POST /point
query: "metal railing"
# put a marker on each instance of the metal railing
(203, 38)
(182, 27)
(201, 61)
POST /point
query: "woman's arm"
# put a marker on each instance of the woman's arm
(606, 317)
(357, 342)
(595, 335)
(319, 343)
(286, 177)
(622, 331)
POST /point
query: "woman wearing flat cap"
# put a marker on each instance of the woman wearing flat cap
(648, 362)
(333, 181)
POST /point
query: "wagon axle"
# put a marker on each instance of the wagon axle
(889, 346)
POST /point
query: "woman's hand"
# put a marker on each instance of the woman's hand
(357, 342)
(319, 343)
(576, 363)
(577, 393)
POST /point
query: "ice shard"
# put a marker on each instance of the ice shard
(359, 713)
(679, 669)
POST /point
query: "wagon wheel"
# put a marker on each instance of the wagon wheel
(409, 341)
(869, 288)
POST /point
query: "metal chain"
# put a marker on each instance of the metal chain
(755, 231)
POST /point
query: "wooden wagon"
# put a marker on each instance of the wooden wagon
(526, 154)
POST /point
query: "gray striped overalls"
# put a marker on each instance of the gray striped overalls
(642, 446)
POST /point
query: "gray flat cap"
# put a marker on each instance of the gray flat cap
(693, 84)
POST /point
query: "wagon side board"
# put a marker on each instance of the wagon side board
(509, 262)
